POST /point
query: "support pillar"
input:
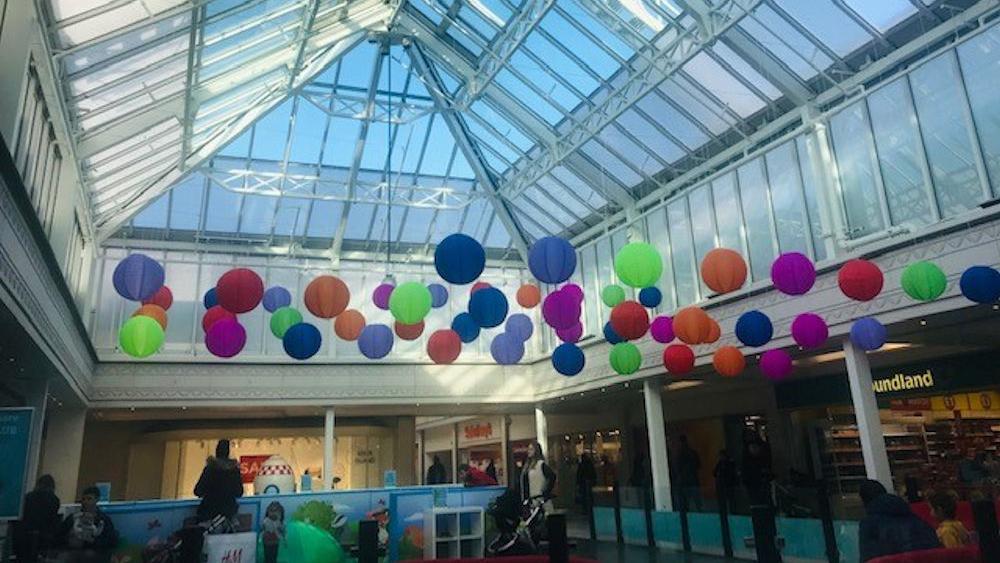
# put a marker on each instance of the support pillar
(421, 459)
(329, 448)
(62, 449)
(656, 427)
(504, 449)
(454, 453)
(542, 430)
(37, 396)
(859, 374)
(406, 438)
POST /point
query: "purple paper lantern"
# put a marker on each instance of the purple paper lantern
(793, 273)
(138, 277)
(375, 341)
(380, 297)
(225, 338)
(507, 349)
(574, 290)
(662, 329)
(439, 295)
(275, 298)
(571, 334)
(519, 326)
(868, 334)
(776, 365)
(561, 310)
(809, 330)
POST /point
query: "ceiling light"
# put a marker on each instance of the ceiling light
(678, 385)
(923, 322)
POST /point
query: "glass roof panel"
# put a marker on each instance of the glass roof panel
(787, 43)
(828, 23)
(745, 71)
(884, 14)
(723, 85)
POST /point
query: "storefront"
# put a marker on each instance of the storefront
(477, 441)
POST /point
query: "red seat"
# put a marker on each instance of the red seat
(963, 513)
(967, 554)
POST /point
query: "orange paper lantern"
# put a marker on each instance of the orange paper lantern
(348, 325)
(528, 295)
(714, 332)
(729, 361)
(409, 332)
(153, 311)
(723, 270)
(327, 296)
(692, 325)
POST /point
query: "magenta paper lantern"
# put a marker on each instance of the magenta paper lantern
(574, 290)
(571, 334)
(662, 329)
(561, 310)
(809, 330)
(776, 365)
(380, 297)
(793, 273)
(225, 338)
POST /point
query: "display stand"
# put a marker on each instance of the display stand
(453, 532)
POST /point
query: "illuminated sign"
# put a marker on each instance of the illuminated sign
(478, 431)
(901, 382)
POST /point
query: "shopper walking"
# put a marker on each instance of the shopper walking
(491, 470)
(586, 477)
(36, 532)
(436, 474)
(537, 478)
(688, 482)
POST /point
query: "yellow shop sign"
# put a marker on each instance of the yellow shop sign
(901, 382)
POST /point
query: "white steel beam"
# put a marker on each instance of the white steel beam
(770, 67)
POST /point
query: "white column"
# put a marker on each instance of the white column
(37, 396)
(859, 374)
(824, 172)
(542, 430)
(421, 459)
(454, 453)
(62, 449)
(656, 428)
(329, 447)
(504, 448)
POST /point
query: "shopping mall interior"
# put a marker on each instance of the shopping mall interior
(714, 262)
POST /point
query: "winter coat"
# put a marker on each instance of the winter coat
(475, 477)
(436, 474)
(80, 531)
(218, 487)
(891, 527)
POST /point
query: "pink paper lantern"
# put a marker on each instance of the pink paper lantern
(662, 329)
(561, 310)
(571, 334)
(809, 330)
(776, 365)
(793, 273)
(574, 290)
(225, 338)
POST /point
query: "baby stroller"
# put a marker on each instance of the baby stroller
(520, 524)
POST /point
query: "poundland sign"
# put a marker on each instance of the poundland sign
(902, 382)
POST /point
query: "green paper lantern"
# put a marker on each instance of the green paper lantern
(140, 336)
(625, 358)
(924, 281)
(410, 302)
(612, 295)
(283, 319)
(638, 265)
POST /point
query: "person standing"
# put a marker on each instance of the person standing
(586, 477)
(36, 531)
(219, 486)
(491, 470)
(688, 466)
(272, 531)
(725, 478)
(756, 473)
(537, 478)
(436, 474)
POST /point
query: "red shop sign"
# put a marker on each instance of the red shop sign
(478, 431)
(250, 466)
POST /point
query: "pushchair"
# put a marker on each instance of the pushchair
(520, 524)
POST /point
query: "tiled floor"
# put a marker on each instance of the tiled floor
(609, 552)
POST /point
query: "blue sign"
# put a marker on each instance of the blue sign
(15, 438)
(389, 478)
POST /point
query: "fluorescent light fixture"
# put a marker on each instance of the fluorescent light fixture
(678, 385)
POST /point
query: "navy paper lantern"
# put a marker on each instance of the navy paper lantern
(868, 334)
(610, 335)
(754, 329)
(138, 277)
(302, 341)
(466, 327)
(552, 260)
(210, 300)
(519, 326)
(275, 298)
(459, 259)
(375, 341)
(568, 359)
(488, 307)
(506, 349)
(439, 295)
(650, 297)
(980, 284)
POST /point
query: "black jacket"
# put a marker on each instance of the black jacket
(436, 474)
(550, 481)
(41, 512)
(218, 487)
(100, 532)
(891, 527)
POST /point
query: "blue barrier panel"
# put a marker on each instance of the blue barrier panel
(740, 528)
(667, 528)
(803, 538)
(604, 521)
(705, 529)
(633, 525)
(846, 532)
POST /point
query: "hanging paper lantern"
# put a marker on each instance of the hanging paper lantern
(568, 359)
(439, 295)
(753, 329)
(444, 346)
(410, 302)
(561, 310)
(728, 361)
(868, 334)
(610, 335)
(349, 324)
(466, 328)
(226, 338)
(662, 329)
(552, 260)
(692, 325)
(138, 277)
(506, 349)
(488, 307)
(154, 312)
(275, 298)
(140, 336)
(629, 320)
(809, 330)
(678, 359)
(327, 296)
(793, 273)
(520, 327)
(625, 358)
(650, 297)
(574, 291)
(479, 285)
(163, 298)
(776, 365)
(284, 319)
(571, 334)
(409, 332)
(612, 295)
(380, 297)
(528, 296)
(211, 299)
(723, 270)
(714, 332)
(459, 259)
(923, 281)
(860, 280)
(375, 341)
(980, 284)
(239, 290)
(213, 315)
(638, 264)
(301, 341)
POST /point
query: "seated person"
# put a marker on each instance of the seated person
(950, 531)
(88, 534)
(889, 526)
(474, 477)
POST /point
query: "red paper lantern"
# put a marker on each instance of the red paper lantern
(723, 270)
(327, 296)
(529, 296)
(860, 280)
(629, 320)
(729, 361)
(678, 359)
(692, 325)
(216, 313)
(239, 290)
(153, 311)
(479, 285)
(409, 332)
(349, 325)
(444, 346)
(163, 297)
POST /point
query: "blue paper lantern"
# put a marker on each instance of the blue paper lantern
(275, 298)
(868, 334)
(568, 359)
(520, 327)
(459, 259)
(980, 284)
(466, 327)
(754, 329)
(552, 259)
(439, 295)
(506, 349)
(650, 297)
(488, 307)
(210, 300)
(375, 341)
(138, 277)
(302, 341)
(610, 335)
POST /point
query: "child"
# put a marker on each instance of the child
(273, 531)
(950, 531)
